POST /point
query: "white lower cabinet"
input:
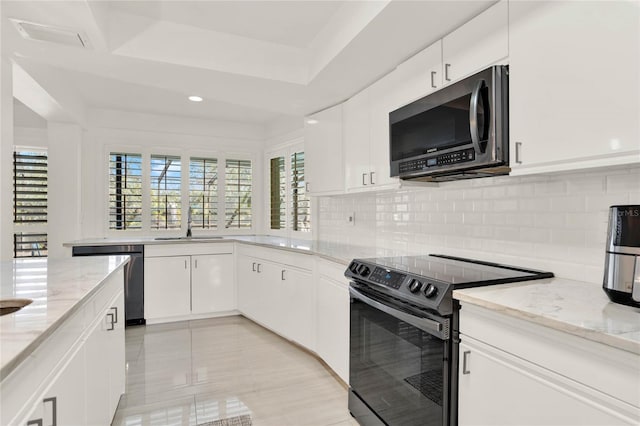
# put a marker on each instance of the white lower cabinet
(77, 375)
(167, 289)
(183, 281)
(276, 294)
(105, 361)
(64, 401)
(332, 322)
(516, 373)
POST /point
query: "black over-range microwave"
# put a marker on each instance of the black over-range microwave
(458, 132)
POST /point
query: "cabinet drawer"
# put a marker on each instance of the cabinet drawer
(187, 249)
(333, 270)
(282, 257)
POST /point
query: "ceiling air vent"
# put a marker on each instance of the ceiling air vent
(40, 32)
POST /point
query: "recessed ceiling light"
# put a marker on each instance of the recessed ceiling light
(195, 98)
(312, 121)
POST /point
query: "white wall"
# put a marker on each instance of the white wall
(6, 159)
(64, 153)
(551, 222)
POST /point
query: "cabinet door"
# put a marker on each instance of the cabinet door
(167, 286)
(496, 388)
(295, 306)
(212, 283)
(64, 401)
(255, 295)
(247, 302)
(323, 151)
(357, 122)
(482, 41)
(116, 351)
(98, 365)
(573, 84)
(332, 325)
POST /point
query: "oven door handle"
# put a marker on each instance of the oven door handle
(425, 324)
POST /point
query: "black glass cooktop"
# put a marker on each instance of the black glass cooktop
(459, 272)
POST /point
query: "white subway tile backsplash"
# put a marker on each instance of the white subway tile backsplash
(550, 222)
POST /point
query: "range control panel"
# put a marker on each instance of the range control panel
(439, 160)
(415, 289)
(387, 277)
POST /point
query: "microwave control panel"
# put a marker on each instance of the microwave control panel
(439, 160)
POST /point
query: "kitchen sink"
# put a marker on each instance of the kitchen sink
(186, 238)
(8, 306)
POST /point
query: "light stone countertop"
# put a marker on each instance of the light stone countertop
(574, 307)
(57, 287)
(336, 252)
(579, 308)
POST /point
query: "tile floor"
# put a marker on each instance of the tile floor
(195, 372)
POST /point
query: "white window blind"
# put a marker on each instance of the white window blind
(30, 192)
(125, 191)
(300, 202)
(278, 188)
(29, 187)
(203, 192)
(238, 184)
(165, 192)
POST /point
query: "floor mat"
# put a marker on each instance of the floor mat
(244, 420)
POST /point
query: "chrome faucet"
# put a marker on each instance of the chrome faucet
(189, 223)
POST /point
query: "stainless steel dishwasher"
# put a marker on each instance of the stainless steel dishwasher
(133, 277)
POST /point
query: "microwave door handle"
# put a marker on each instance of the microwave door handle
(430, 326)
(473, 116)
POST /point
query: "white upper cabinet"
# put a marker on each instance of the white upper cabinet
(323, 150)
(481, 42)
(574, 85)
(356, 131)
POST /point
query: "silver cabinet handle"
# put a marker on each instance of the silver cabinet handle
(253, 268)
(465, 362)
(371, 174)
(363, 178)
(446, 71)
(306, 186)
(282, 275)
(433, 81)
(111, 322)
(473, 116)
(518, 152)
(115, 310)
(54, 413)
(259, 265)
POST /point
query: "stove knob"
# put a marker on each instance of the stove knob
(430, 291)
(354, 267)
(363, 270)
(414, 286)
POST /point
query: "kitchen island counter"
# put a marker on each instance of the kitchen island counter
(58, 287)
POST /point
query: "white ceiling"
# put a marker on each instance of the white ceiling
(252, 61)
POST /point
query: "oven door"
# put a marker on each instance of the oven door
(399, 363)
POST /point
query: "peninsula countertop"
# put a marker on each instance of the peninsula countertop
(573, 307)
(57, 287)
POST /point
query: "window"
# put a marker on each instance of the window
(166, 176)
(300, 202)
(30, 203)
(125, 191)
(215, 193)
(238, 183)
(290, 205)
(203, 192)
(278, 193)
